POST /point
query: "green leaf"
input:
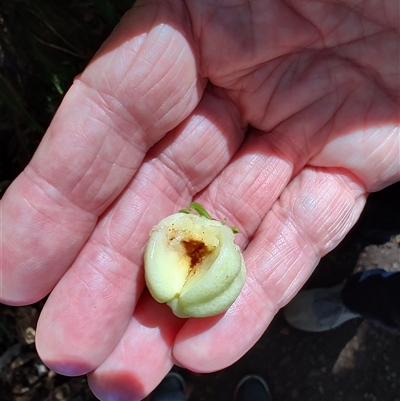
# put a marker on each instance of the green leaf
(186, 211)
(235, 230)
(200, 210)
(203, 212)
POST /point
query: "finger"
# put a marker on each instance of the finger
(141, 358)
(141, 84)
(312, 215)
(245, 190)
(254, 170)
(101, 288)
(372, 153)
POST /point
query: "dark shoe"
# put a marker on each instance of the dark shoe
(318, 310)
(252, 388)
(171, 388)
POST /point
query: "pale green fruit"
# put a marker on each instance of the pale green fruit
(192, 264)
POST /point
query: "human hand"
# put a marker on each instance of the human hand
(280, 118)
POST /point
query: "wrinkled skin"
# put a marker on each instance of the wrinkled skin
(280, 116)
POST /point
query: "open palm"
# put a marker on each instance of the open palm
(280, 116)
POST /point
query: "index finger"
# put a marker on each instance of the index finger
(142, 83)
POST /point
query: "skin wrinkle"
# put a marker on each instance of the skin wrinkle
(171, 184)
(342, 224)
(334, 29)
(354, 167)
(112, 242)
(178, 60)
(277, 144)
(168, 165)
(177, 168)
(67, 194)
(368, 75)
(264, 56)
(373, 16)
(161, 194)
(351, 12)
(333, 82)
(110, 107)
(253, 124)
(176, 71)
(71, 191)
(312, 209)
(93, 190)
(229, 190)
(239, 93)
(168, 113)
(176, 191)
(261, 121)
(281, 278)
(59, 198)
(251, 24)
(317, 251)
(142, 220)
(155, 85)
(369, 106)
(308, 22)
(209, 131)
(362, 22)
(231, 109)
(298, 226)
(356, 193)
(145, 326)
(275, 253)
(380, 149)
(218, 149)
(249, 88)
(181, 191)
(346, 52)
(125, 237)
(105, 178)
(300, 231)
(106, 265)
(297, 281)
(199, 30)
(86, 219)
(100, 306)
(222, 211)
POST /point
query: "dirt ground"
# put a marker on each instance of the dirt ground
(355, 362)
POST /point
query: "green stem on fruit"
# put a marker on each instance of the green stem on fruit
(203, 212)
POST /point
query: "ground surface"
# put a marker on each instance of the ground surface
(356, 362)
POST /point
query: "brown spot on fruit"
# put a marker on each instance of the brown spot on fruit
(196, 250)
